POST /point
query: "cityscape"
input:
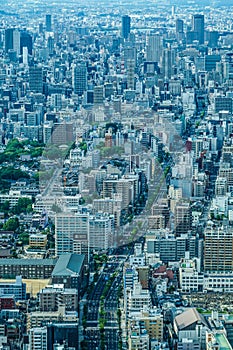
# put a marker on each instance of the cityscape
(116, 175)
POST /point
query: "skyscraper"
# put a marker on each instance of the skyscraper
(198, 27)
(79, 78)
(167, 63)
(9, 39)
(130, 74)
(16, 41)
(36, 79)
(12, 40)
(25, 41)
(179, 26)
(153, 47)
(125, 26)
(48, 23)
(179, 29)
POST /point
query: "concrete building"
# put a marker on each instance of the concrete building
(27, 268)
(191, 325)
(100, 231)
(36, 79)
(36, 319)
(52, 297)
(18, 289)
(79, 78)
(38, 338)
(218, 248)
(69, 271)
(183, 217)
(72, 234)
(38, 240)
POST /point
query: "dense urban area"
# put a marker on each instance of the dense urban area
(116, 175)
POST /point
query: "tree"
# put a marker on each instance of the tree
(11, 225)
(24, 205)
(24, 238)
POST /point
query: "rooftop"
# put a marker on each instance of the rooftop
(28, 262)
(68, 265)
(223, 342)
(187, 318)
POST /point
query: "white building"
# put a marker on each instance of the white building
(38, 338)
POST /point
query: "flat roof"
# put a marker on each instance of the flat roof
(26, 262)
(222, 341)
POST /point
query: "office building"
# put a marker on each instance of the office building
(183, 217)
(130, 74)
(179, 26)
(198, 27)
(63, 333)
(153, 47)
(125, 26)
(48, 23)
(63, 133)
(98, 95)
(9, 39)
(72, 234)
(36, 79)
(79, 78)
(100, 231)
(167, 63)
(25, 41)
(16, 41)
(169, 247)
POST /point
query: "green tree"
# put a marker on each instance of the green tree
(12, 224)
(24, 238)
(24, 205)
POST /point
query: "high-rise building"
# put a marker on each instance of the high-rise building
(218, 249)
(167, 63)
(12, 40)
(179, 29)
(25, 41)
(79, 78)
(36, 79)
(101, 227)
(130, 73)
(179, 26)
(153, 47)
(16, 41)
(98, 94)
(25, 56)
(125, 26)
(72, 234)
(198, 27)
(183, 217)
(9, 39)
(48, 23)
(38, 338)
(62, 133)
